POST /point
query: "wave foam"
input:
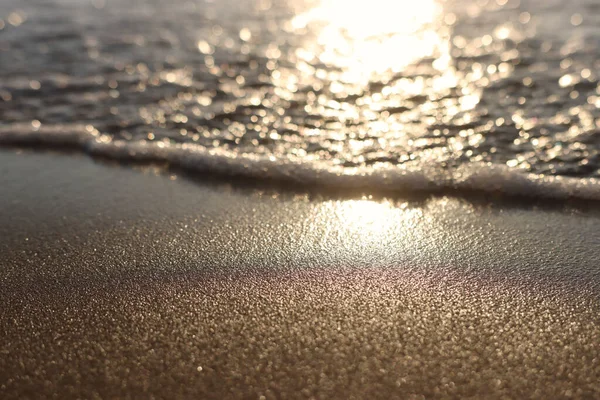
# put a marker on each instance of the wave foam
(405, 178)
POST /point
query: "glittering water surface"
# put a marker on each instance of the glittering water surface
(337, 87)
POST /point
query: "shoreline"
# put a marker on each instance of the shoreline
(418, 178)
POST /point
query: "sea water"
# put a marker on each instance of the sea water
(485, 95)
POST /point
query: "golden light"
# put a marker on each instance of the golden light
(369, 37)
(371, 223)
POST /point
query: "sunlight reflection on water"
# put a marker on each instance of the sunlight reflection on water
(331, 85)
(374, 37)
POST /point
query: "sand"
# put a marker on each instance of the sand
(139, 282)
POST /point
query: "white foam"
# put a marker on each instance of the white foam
(405, 178)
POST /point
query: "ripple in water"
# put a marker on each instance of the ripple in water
(389, 94)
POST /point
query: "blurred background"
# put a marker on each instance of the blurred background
(342, 84)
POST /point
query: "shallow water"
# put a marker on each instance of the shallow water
(487, 95)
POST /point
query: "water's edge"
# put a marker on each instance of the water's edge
(407, 178)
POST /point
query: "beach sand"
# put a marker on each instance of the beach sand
(139, 282)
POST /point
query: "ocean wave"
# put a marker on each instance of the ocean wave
(410, 177)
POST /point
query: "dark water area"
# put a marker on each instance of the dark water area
(402, 93)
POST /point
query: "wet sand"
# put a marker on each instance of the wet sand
(120, 282)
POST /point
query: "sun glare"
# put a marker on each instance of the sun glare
(371, 223)
(366, 38)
